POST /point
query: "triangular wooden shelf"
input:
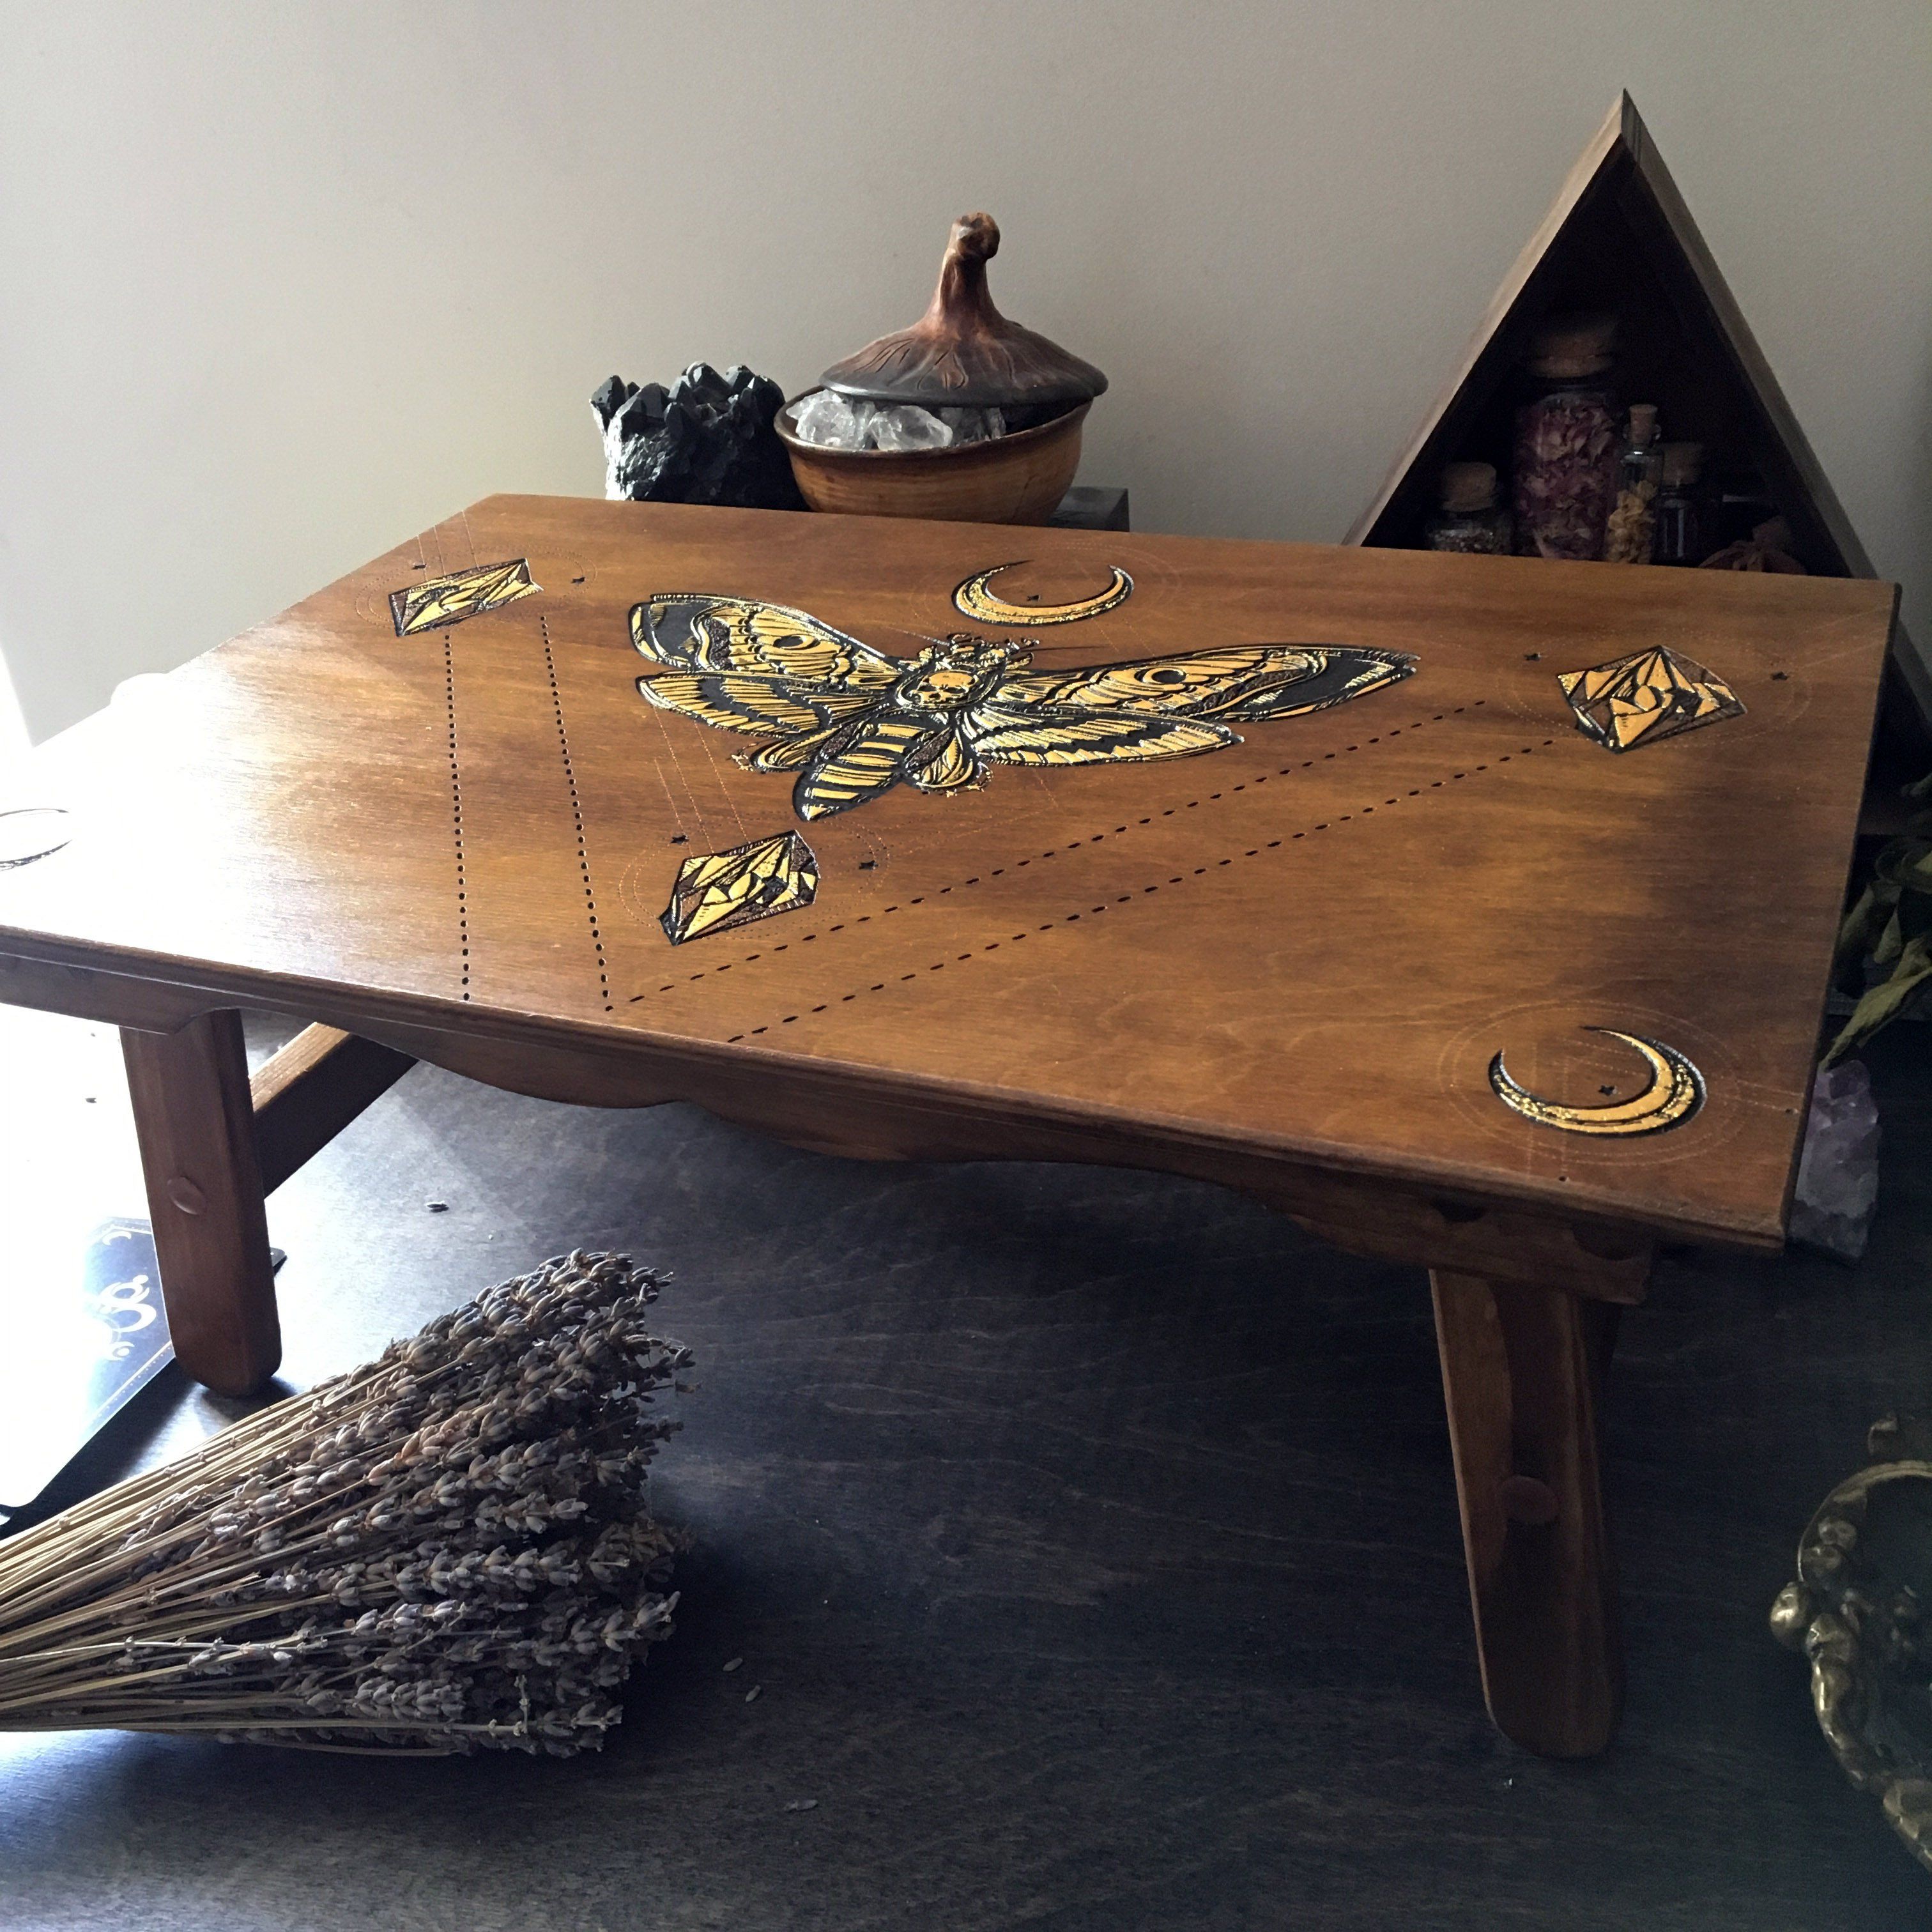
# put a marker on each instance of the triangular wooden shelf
(1619, 237)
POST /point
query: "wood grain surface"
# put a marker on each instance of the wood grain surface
(1295, 955)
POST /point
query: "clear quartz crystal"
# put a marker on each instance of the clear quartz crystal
(828, 420)
(905, 426)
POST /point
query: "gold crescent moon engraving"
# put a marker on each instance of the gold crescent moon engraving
(1675, 1093)
(976, 600)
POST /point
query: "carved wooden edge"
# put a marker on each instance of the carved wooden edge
(311, 1090)
(303, 1096)
(1360, 1215)
(835, 1108)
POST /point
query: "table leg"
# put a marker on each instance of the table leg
(1520, 1371)
(196, 1125)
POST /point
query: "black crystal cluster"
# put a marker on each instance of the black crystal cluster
(708, 439)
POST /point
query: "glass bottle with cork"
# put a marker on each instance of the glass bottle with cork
(1568, 440)
(1470, 519)
(1679, 537)
(1628, 536)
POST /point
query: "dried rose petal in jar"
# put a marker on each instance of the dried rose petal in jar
(1568, 441)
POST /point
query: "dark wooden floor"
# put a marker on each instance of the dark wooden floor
(1092, 1539)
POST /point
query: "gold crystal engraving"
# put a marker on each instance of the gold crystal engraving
(716, 891)
(1645, 697)
(438, 600)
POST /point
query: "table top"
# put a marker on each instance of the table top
(1329, 841)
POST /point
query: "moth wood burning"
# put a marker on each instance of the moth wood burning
(852, 722)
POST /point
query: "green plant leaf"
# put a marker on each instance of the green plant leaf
(1885, 1002)
(1859, 927)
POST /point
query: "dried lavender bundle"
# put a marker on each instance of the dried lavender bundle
(445, 1550)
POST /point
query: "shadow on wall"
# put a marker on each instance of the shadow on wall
(12, 726)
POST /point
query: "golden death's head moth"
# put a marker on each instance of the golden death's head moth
(852, 722)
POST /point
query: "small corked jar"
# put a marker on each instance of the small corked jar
(1679, 519)
(1628, 537)
(1470, 519)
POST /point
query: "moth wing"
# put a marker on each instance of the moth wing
(869, 756)
(792, 755)
(1248, 682)
(1169, 684)
(952, 766)
(1065, 736)
(689, 631)
(1340, 672)
(762, 706)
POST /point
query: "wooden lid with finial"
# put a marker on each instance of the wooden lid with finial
(963, 353)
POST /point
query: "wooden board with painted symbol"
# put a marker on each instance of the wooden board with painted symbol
(1277, 846)
(1302, 870)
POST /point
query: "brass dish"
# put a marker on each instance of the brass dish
(1857, 1611)
(1008, 479)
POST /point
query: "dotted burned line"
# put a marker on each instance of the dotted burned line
(1145, 892)
(1074, 844)
(576, 813)
(456, 807)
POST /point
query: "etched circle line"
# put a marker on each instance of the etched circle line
(30, 832)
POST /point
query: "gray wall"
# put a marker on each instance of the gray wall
(281, 284)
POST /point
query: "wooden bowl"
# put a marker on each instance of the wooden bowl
(1009, 479)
